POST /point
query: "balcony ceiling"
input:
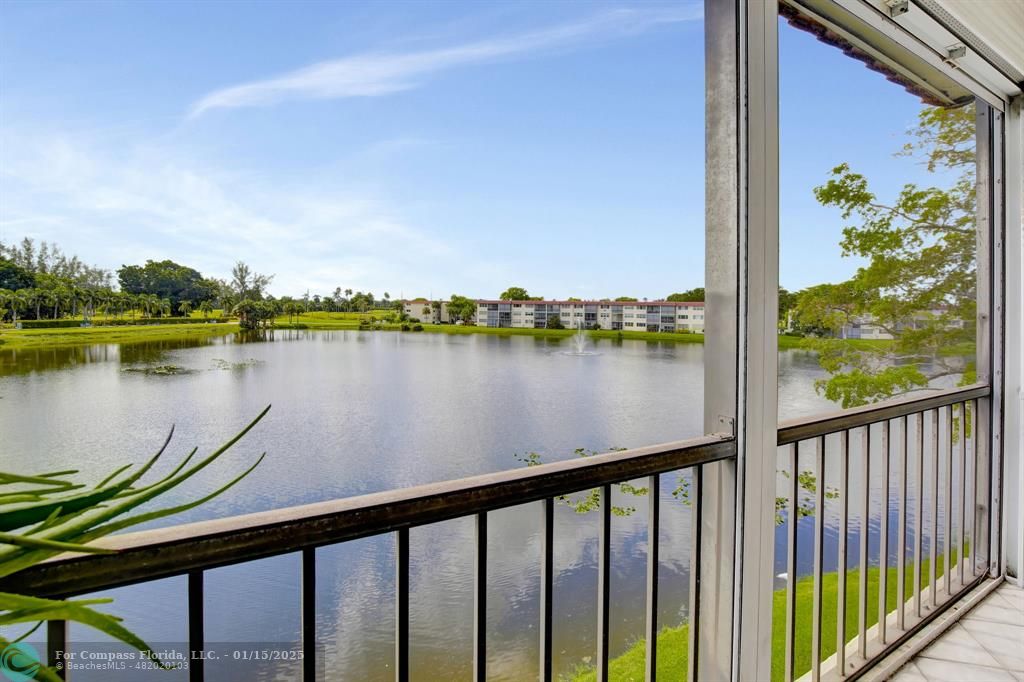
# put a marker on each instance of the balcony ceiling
(997, 23)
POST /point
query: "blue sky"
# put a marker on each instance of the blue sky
(417, 148)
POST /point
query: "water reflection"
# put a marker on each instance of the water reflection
(357, 412)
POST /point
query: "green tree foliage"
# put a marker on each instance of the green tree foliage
(248, 284)
(920, 277)
(461, 308)
(625, 299)
(255, 314)
(48, 259)
(688, 295)
(14, 277)
(787, 300)
(555, 322)
(167, 280)
(517, 294)
(47, 514)
(590, 500)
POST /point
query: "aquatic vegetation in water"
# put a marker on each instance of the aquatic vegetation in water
(160, 370)
(218, 363)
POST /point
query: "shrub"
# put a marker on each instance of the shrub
(417, 327)
(405, 327)
(126, 322)
(49, 324)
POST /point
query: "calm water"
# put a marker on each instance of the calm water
(361, 412)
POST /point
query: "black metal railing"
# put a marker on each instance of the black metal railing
(192, 549)
(888, 427)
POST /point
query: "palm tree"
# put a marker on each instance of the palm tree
(34, 297)
(185, 308)
(246, 312)
(55, 297)
(206, 308)
(6, 297)
(19, 301)
(164, 306)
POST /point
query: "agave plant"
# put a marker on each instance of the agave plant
(48, 514)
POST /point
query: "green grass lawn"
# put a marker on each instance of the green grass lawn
(78, 336)
(672, 642)
(38, 338)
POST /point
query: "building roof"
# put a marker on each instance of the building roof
(622, 303)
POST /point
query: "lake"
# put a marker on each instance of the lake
(359, 412)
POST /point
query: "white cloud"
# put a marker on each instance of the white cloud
(373, 75)
(117, 206)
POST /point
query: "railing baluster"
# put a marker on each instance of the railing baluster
(308, 617)
(693, 604)
(933, 544)
(480, 604)
(819, 551)
(792, 521)
(604, 582)
(862, 560)
(948, 566)
(963, 494)
(974, 488)
(901, 532)
(883, 536)
(844, 512)
(57, 646)
(918, 521)
(402, 605)
(653, 540)
(196, 637)
(546, 585)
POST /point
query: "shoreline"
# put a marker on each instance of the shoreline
(19, 339)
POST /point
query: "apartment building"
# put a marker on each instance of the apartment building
(423, 310)
(650, 316)
(865, 327)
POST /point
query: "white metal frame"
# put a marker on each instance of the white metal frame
(742, 283)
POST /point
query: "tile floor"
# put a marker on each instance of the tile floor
(985, 645)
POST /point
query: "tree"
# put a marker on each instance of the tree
(688, 295)
(14, 277)
(185, 308)
(167, 279)
(48, 259)
(462, 308)
(555, 322)
(514, 294)
(246, 312)
(919, 282)
(625, 299)
(247, 284)
(206, 308)
(787, 300)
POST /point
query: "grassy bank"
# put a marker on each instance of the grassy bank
(81, 336)
(672, 642)
(351, 321)
(71, 336)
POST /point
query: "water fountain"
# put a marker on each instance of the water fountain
(579, 342)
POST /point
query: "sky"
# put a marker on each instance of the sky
(418, 148)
